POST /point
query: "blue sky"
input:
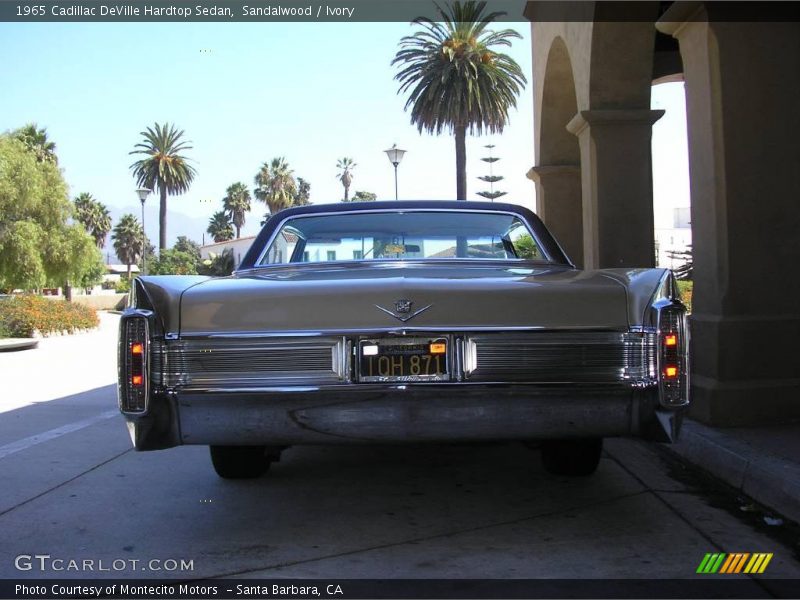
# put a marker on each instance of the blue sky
(247, 92)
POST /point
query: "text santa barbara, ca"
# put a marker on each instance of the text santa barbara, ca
(138, 11)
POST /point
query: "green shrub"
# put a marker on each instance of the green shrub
(173, 262)
(21, 316)
(685, 288)
(123, 286)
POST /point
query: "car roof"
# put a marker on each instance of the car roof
(398, 204)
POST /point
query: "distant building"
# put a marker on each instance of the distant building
(677, 238)
(114, 272)
(239, 247)
(319, 251)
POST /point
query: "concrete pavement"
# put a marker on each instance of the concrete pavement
(74, 489)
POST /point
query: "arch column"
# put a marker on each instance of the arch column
(742, 86)
(558, 204)
(617, 186)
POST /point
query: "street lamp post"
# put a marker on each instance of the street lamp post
(143, 193)
(395, 156)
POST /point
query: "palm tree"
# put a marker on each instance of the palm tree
(275, 185)
(303, 197)
(236, 203)
(94, 216)
(220, 227)
(127, 236)
(164, 168)
(456, 82)
(345, 166)
(35, 140)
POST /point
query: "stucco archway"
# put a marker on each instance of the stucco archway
(742, 81)
(557, 173)
(601, 73)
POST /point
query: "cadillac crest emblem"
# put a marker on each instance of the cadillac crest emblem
(402, 310)
(403, 306)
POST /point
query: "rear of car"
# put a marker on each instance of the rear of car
(440, 323)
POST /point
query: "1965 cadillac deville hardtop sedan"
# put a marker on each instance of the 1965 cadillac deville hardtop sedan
(411, 321)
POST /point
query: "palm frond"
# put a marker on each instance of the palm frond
(453, 75)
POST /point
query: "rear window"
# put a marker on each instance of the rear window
(402, 235)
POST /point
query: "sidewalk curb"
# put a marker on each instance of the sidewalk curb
(18, 344)
(771, 480)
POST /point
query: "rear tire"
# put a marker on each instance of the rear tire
(240, 462)
(574, 458)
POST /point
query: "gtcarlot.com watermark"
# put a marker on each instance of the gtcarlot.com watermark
(45, 563)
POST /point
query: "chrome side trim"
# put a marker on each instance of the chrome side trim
(269, 361)
(345, 388)
(563, 357)
(248, 363)
(405, 330)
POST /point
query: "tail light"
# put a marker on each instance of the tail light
(133, 383)
(673, 374)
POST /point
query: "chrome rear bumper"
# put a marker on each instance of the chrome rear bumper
(375, 413)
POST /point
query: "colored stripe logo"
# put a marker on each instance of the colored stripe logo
(733, 563)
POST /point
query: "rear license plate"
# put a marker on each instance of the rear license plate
(409, 359)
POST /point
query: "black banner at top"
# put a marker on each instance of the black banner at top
(49, 11)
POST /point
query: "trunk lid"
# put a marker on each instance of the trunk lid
(459, 297)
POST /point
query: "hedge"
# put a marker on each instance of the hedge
(25, 316)
(686, 288)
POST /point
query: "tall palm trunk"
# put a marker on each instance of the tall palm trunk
(461, 181)
(461, 162)
(162, 221)
(347, 179)
(238, 230)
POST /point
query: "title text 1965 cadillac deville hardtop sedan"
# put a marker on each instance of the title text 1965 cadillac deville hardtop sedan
(403, 322)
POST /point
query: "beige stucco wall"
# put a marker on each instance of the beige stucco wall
(239, 246)
(742, 85)
(595, 189)
(592, 89)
